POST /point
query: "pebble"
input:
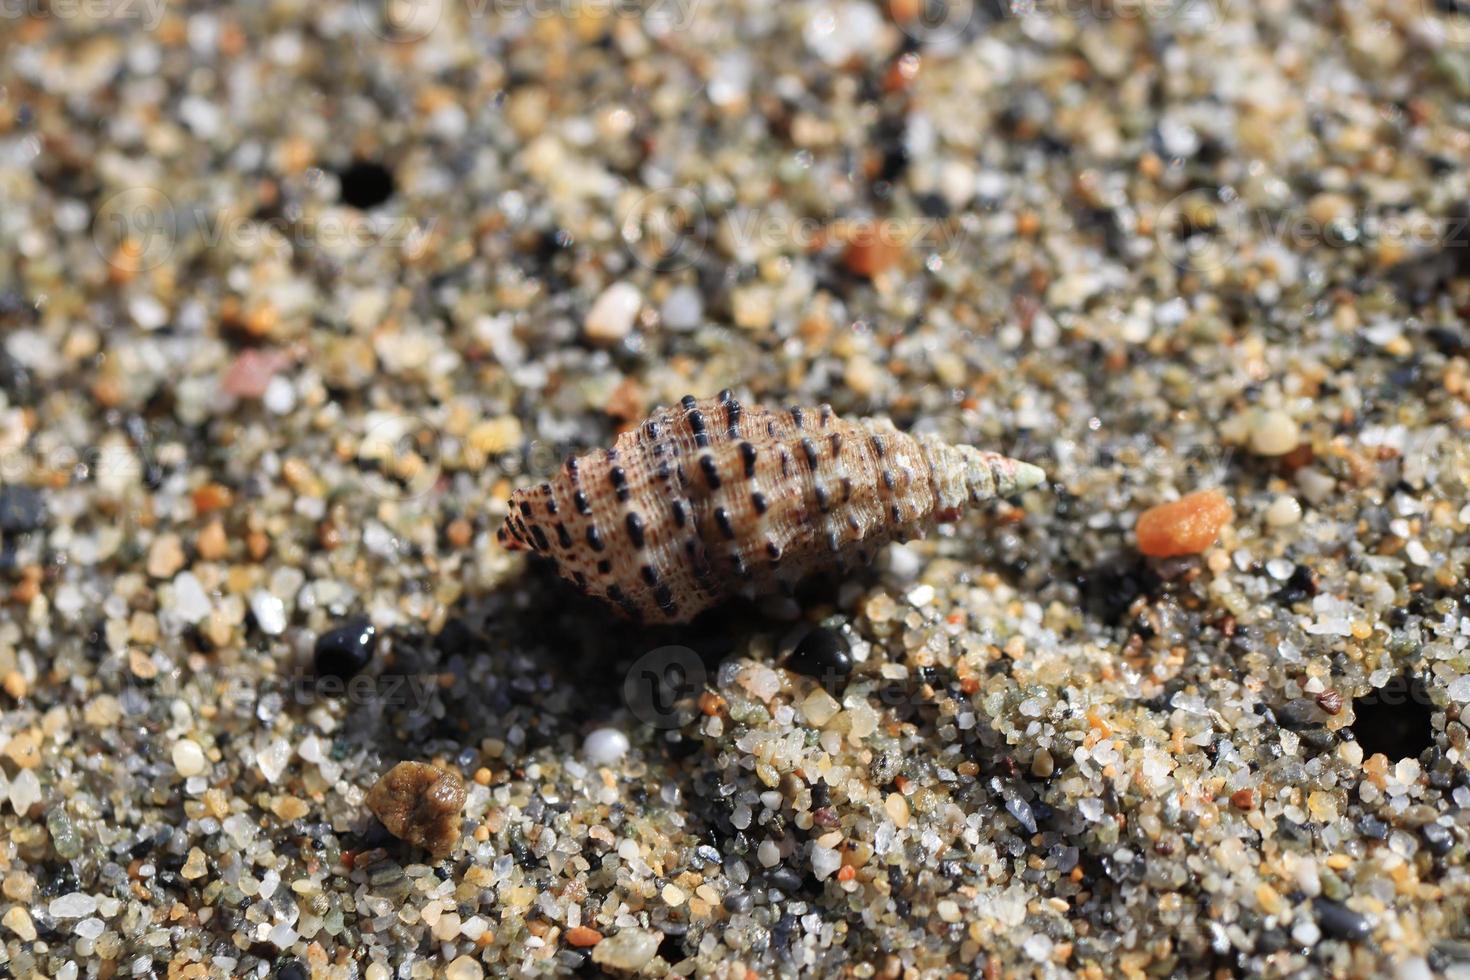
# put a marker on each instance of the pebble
(74, 905)
(1284, 511)
(823, 655)
(628, 949)
(682, 309)
(22, 509)
(188, 758)
(165, 556)
(605, 746)
(269, 611)
(250, 374)
(583, 936)
(611, 318)
(345, 651)
(825, 861)
(1186, 526)
(1274, 433)
(18, 921)
(1336, 919)
(421, 804)
(464, 968)
(191, 602)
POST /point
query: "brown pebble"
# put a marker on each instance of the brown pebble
(459, 532)
(258, 545)
(873, 249)
(212, 543)
(1243, 799)
(14, 684)
(420, 804)
(1186, 526)
(583, 936)
(212, 497)
(1330, 701)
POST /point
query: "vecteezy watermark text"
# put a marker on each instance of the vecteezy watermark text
(140, 228)
(413, 20)
(149, 13)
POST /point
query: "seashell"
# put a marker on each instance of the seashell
(710, 499)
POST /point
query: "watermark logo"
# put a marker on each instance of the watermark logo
(148, 13)
(1204, 231)
(403, 21)
(671, 229)
(407, 451)
(140, 228)
(934, 22)
(1200, 231)
(662, 686)
(134, 229)
(409, 21)
(667, 230)
(1446, 22)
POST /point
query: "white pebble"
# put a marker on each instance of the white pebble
(683, 308)
(1284, 511)
(273, 758)
(75, 905)
(270, 612)
(825, 861)
(188, 758)
(1274, 434)
(191, 602)
(605, 746)
(280, 396)
(25, 791)
(611, 317)
(768, 854)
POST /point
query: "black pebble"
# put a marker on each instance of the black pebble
(785, 879)
(346, 650)
(1299, 586)
(1438, 838)
(1337, 920)
(737, 902)
(455, 639)
(21, 509)
(292, 970)
(823, 655)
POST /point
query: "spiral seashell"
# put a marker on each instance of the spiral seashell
(709, 499)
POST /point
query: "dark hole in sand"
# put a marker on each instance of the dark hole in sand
(366, 184)
(1394, 719)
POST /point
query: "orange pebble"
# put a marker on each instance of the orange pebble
(583, 936)
(1184, 527)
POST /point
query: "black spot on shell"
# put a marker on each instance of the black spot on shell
(747, 456)
(579, 500)
(540, 538)
(562, 537)
(618, 477)
(722, 520)
(809, 450)
(711, 472)
(796, 416)
(758, 502)
(635, 529)
(594, 538)
(677, 509)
